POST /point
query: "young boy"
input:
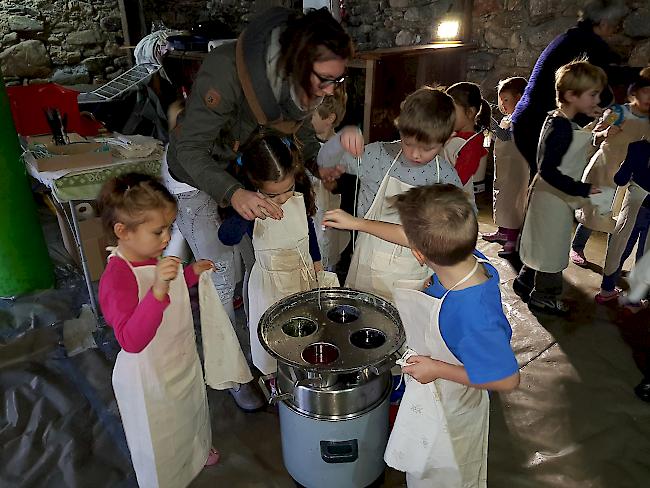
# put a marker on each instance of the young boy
(332, 242)
(457, 334)
(511, 171)
(557, 191)
(387, 169)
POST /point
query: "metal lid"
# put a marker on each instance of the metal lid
(340, 331)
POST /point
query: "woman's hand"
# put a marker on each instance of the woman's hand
(340, 219)
(166, 271)
(318, 267)
(330, 175)
(424, 369)
(202, 265)
(612, 130)
(352, 140)
(251, 205)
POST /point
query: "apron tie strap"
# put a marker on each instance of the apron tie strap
(403, 361)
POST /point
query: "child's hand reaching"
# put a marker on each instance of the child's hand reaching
(166, 271)
(424, 369)
(352, 140)
(594, 190)
(340, 219)
(612, 130)
(202, 265)
(318, 267)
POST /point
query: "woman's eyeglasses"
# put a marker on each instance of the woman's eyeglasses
(325, 82)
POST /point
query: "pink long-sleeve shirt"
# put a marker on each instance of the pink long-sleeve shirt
(134, 321)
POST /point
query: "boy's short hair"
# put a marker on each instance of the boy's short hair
(427, 115)
(578, 76)
(334, 104)
(515, 85)
(439, 221)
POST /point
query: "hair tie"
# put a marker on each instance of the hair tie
(238, 160)
(287, 141)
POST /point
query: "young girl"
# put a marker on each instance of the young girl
(287, 258)
(157, 379)
(465, 150)
(632, 223)
(511, 171)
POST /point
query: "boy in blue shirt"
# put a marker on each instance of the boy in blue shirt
(458, 339)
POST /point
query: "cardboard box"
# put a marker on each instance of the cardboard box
(93, 241)
(80, 153)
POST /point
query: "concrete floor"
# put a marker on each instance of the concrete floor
(573, 422)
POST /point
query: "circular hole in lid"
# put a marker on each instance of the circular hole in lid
(299, 327)
(320, 353)
(344, 314)
(367, 338)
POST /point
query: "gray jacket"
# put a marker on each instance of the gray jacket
(218, 118)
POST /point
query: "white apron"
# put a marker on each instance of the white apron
(639, 279)
(634, 197)
(376, 264)
(440, 436)
(331, 241)
(548, 226)
(511, 180)
(452, 149)
(602, 210)
(282, 267)
(161, 395)
(223, 360)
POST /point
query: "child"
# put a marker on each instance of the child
(157, 379)
(458, 339)
(332, 242)
(632, 223)
(511, 171)
(556, 189)
(387, 169)
(465, 150)
(618, 127)
(287, 258)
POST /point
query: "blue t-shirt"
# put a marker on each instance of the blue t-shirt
(475, 329)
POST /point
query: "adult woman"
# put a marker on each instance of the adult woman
(275, 75)
(598, 19)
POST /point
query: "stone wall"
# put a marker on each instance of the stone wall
(509, 34)
(65, 41)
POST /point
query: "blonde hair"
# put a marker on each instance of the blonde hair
(578, 76)
(126, 198)
(334, 104)
(439, 221)
(428, 115)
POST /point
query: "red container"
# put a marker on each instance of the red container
(28, 103)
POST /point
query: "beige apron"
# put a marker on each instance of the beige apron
(548, 226)
(511, 179)
(331, 241)
(632, 202)
(223, 360)
(452, 149)
(282, 267)
(161, 395)
(440, 436)
(602, 210)
(376, 264)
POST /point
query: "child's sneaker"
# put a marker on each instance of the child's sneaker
(497, 236)
(553, 306)
(509, 248)
(213, 457)
(521, 290)
(578, 257)
(605, 296)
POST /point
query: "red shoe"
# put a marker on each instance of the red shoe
(607, 296)
(578, 258)
(497, 236)
(213, 457)
(237, 302)
(510, 247)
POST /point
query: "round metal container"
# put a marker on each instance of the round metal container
(334, 348)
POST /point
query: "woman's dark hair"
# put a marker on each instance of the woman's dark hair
(315, 36)
(468, 95)
(127, 197)
(270, 156)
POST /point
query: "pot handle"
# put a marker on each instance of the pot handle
(335, 452)
(271, 393)
(385, 365)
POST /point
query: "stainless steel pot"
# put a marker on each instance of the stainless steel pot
(334, 348)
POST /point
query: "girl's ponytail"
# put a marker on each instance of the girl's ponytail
(483, 117)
